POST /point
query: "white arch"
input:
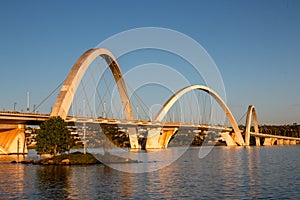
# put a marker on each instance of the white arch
(68, 90)
(161, 114)
(250, 114)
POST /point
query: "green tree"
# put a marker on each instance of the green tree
(53, 137)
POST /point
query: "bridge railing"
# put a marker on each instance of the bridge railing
(23, 113)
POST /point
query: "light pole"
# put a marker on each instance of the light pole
(15, 104)
(18, 146)
(137, 113)
(104, 109)
(84, 138)
(28, 103)
(84, 130)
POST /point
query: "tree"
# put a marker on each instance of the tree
(53, 137)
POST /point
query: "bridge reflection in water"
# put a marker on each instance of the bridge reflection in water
(159, 132)
(258, 173)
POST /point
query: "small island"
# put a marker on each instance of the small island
(76, 158)
(79, 158)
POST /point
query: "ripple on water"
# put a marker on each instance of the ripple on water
(227, 173)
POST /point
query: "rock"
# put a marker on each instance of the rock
(50, 162)
(65, 162)
(27, 161)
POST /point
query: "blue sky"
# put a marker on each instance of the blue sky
(255, 44)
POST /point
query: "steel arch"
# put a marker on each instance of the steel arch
(68, 90)
(250, 114)
(170, 102)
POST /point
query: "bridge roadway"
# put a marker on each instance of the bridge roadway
(19, 120)
(13, 119)
(271, 139)
(274, 136)
(10, 119)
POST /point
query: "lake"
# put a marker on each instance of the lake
(224, 173)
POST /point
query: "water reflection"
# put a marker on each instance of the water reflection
(227, 173)
(12, 180)
(10, 158)
(252, 164)
(53, 181)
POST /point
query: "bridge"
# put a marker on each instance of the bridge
(160, 132)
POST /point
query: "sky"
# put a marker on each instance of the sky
(255, 45)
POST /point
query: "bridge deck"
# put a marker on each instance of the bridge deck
(273, 136)
(36, 118)
(8, 117)
(22, 118)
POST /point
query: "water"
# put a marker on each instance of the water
(225, 173)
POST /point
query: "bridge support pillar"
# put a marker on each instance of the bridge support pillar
(228, 139)
(13, 141)
(257, 141)
(134, 144)
(279, 141)
(153, 139)
(268, 142)
(293, 142)
(286, 142)
(165, 136)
